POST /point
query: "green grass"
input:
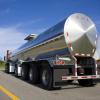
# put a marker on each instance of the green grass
(2, 65)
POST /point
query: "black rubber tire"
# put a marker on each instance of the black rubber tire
(33, 74)
(7, 68)
(47, 78)
(16, 71)
(87, 82)
(24, 72)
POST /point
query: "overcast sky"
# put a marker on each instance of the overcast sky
(18, 18)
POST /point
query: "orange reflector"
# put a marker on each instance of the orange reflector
(60, 62)
(67, 34)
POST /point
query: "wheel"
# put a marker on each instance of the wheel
(46, 78)
(33, 74)
(16, 71)
(7, 68)
(24, 72)
(87, 82)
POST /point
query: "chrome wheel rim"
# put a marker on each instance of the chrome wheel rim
(22, 72)
(30, 74)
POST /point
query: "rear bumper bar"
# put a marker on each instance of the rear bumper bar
(80, 77)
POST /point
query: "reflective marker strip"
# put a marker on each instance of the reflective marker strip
(83, 76)
(88, 54)
(93, 76)
(76, 54)
(70, 45)
(83, 54)
(80, 77)
(74, 77)
(64, 77)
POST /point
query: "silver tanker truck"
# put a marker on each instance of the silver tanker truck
(59, 55)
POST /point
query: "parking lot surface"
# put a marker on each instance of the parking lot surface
(24, 91)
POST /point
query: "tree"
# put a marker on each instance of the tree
(1, 63)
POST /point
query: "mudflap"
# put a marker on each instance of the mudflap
(58, 72)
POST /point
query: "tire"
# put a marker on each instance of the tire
(47, 78)
(87, 82)
(33, 74)
(7, 68)
(16, 71)
(24, 72)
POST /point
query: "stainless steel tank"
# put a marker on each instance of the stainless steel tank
(76, 33)
(80, 35)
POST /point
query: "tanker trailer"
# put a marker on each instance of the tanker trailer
(59, 55)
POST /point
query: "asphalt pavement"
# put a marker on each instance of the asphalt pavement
(4, 96)
(16, 88)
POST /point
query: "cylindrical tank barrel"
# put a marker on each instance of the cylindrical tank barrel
(78, 34)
